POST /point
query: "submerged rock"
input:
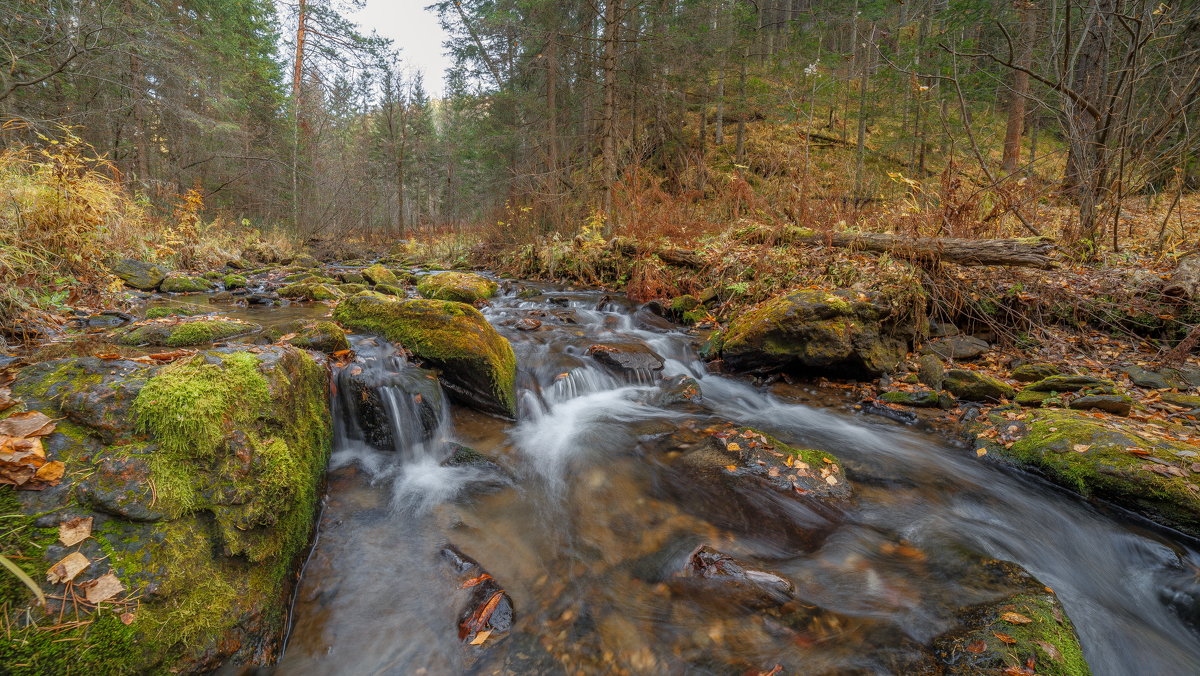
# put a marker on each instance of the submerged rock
(1026, 631)
(820, 332)
(461, 287)
(139, 275)
(1148, 470)
(709, 572)
(371, 397)
(200, 482)
(477, 364)
(486, 608)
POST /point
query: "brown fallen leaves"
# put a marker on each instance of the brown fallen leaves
(65, 570)
(23, 461)
(72, 532)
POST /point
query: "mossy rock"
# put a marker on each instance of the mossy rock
(686, 309)
(1117, 404)
(185, 334)
(1068, 383)
(304, 261)
(351, 289)
(234, 281)
(319, 335)
(352, 278)
(213, 275)
(184, 310)
(1092, 456)
(201, 503)
(139, 275)
(1035, 399)
(389, 290)
(310, 291)
(477, 364)
(377, 274)
(299, 276)
(975, 386)
(919, 398)
(1028, 373)
(839, 333)
(184, 284)
(461, 287)
(1001, 636)
(1185, 400)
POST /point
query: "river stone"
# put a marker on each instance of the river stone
(677, 390)
(310, 291)
(1032, 398)
(709, 572)
(842, 332)
(202, 530)
(528, 324)
(320, 335)
(485, 606)
(477, 365)
(975, 386)
(352, 278)
(461, 287)
(1117, 404)
(304, 261)
(377, 274)
(930, 371)
(139, 275)
(1091, 456)
(185, 333)
(749, 482)
(1028, 373)
(1068, 384)
(961, 348)
(632, 360)
(1185, 400)
(918, 398)
(418, 400)
(1147, 379)
(998, 637)
(175, 283)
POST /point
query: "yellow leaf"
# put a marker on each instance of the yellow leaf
(1015, 618)
(481, 637)
(72, 532)
(51, 471)
(66, 569)
(733, 447)
(980, 452)
(1081, 448)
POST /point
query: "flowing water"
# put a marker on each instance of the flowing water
(584, 520)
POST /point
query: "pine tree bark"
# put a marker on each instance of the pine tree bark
(1020, 88)
(612, 10)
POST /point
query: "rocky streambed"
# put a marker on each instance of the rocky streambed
(516, 478)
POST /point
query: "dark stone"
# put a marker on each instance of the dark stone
(120, 485)
(1028, 373)
(415, 393)
(961, 348)
(677, 390)
(1147, 379)
(528, 324)
(627, 359)
(930, 371)
(1068, 384)
(487, 606)
(919, 398)
(1117, 404)
(974, 386)
(709, 572)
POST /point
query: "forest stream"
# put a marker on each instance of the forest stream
(579, 512)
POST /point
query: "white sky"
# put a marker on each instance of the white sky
(415, 31)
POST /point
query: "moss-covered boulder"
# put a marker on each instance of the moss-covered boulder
(200, 497)
(310, 291)
(461, 287)
(352, 278)
(390, 290)
(477, 364)
(235, 281)
(184, 284)
(185, 334)
(1069, 383)
(351, 289)
(319, 335)
(1117, 404)
(840, 333)
(304, 261)
(179, 310)
(377, 274)
(975, 386)
(918, 398)
(1141, 467)
(686, 309)
(139, 275)
(1024, 631)
(1028, 373)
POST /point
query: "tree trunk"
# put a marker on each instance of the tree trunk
(1086, 158)
(612, 25)
(1020, 88)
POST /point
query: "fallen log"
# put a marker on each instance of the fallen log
(1026, 252)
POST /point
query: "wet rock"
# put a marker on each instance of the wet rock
(749, 482)
(202, 498)
(1028, 373)
(174, 283)
(310, 291)
(180, 310)
(816, 332)
(319, 335)
(377, 274)
(139, 275)
(686, 309)
(1068, 383)
(872, 408)
(918, 398)
(186, 333)
(461, 287)
(1026, 631)
(235, 282)
(487, 606)
(959, 348)
(1147, 471)
(120, 485)
(677, 390)
(975, 386)
(1117, 404)
(528, 324)
(632, 360)
(390, 290)
(477, 365)
(709, 572)
(367, 394)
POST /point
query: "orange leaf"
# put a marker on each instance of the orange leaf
(1015, 618)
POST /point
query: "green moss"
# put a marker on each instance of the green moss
(377, 274)
(455, 336)
(161, 311)
(310, 291)
(462, 287)
(233, 281)
(390, 290)
(183, 284)
(351, 289)
(184, 334)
